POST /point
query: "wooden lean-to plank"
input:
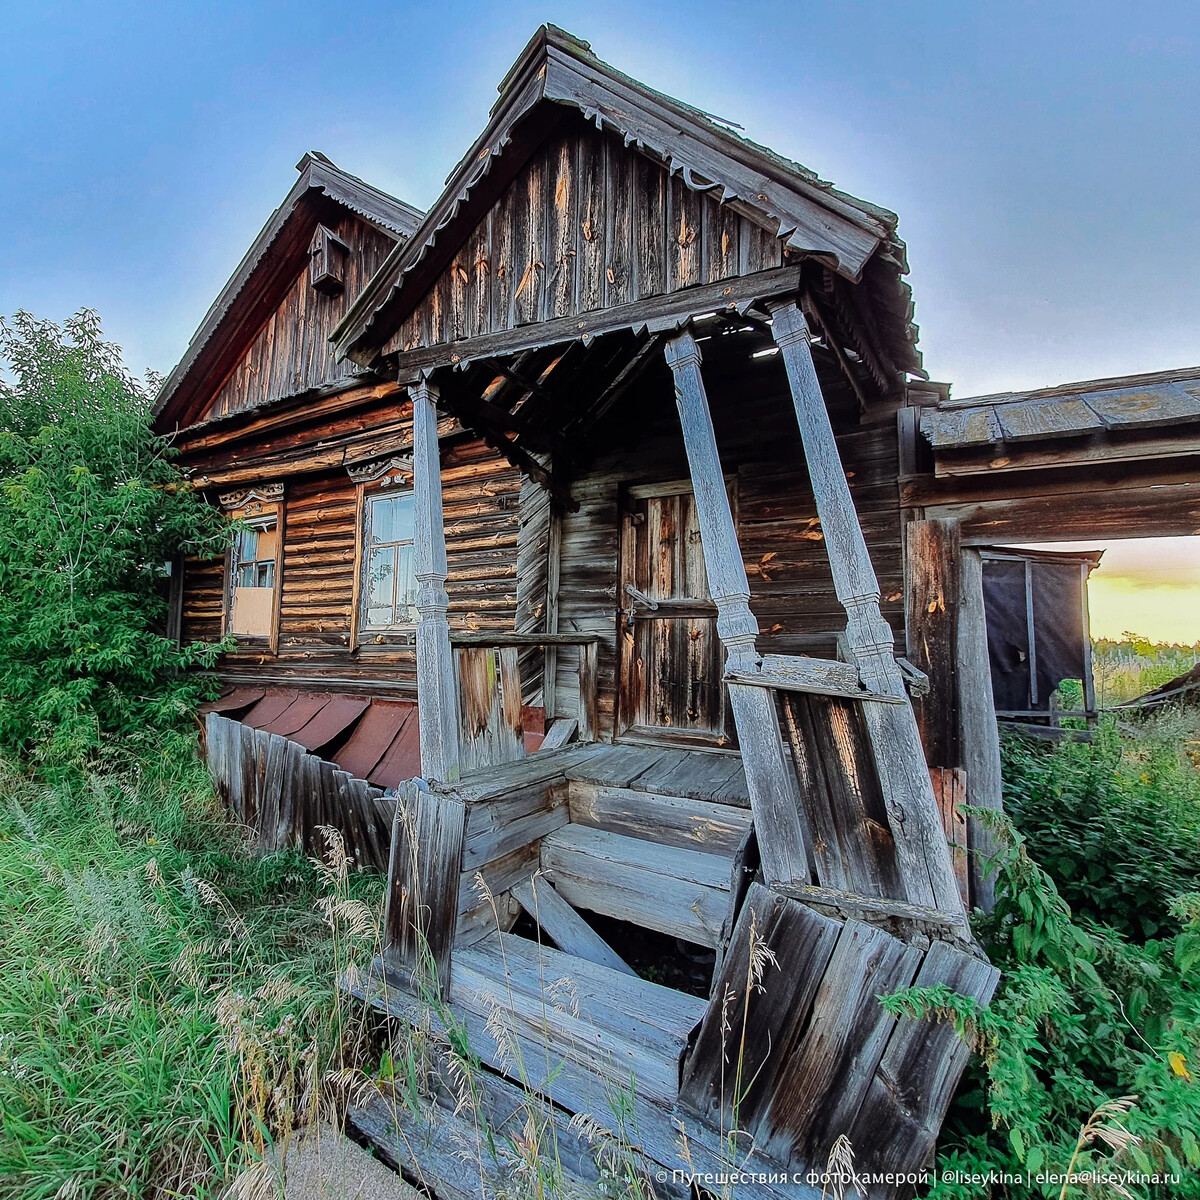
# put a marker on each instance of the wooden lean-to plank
(564, 926)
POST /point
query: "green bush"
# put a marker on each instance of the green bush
(1089, 1010)
(1116, 823)
(91, 508)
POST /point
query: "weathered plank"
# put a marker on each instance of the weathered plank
(931, 623)
(723, 1074)
(670, 820)
(902, 1110)
(979, 734)
(435, 668)
(676, 891)
(423, 881)
(564, 926)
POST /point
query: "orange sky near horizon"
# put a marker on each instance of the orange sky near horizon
(1147, 586)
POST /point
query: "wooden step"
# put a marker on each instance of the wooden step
(683, 893)
(621, 1027)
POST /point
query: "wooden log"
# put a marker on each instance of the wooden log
(423, 882)
(436, 691)
(565, 927)
(979, 737)
(773, 793)
(932, 567)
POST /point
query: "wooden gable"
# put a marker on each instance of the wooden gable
(291, 352)
(587, 223)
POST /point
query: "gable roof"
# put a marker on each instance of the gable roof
(285, 234)
(556, 68)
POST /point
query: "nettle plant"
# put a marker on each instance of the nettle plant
(91, 509)
(1085, 1060)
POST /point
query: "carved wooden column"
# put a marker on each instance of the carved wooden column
(437, 696)
(772, 786)
(921, 847)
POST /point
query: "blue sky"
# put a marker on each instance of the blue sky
(1043, 157)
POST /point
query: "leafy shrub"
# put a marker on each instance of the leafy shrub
(1116, 823)
(1087, 1012)
(91, 508)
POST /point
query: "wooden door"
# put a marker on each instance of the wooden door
(671, 657)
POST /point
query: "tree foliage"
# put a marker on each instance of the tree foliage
(91, 509)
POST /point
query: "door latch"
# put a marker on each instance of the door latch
(636, 598)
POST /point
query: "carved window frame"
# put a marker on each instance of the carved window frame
(261, 506)
(372, 479)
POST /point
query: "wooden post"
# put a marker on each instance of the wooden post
(931, 599)
(437, 701)
(774, 796)
(978, 734)
(921, 848)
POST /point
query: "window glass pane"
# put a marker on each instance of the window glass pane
(381, 570)
(247, 545)
(392, 518)
(406, 584)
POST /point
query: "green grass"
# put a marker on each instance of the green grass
(150, 968)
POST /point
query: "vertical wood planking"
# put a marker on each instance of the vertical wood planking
(423, 880)
(979, 734)
(621, 268)
(650, 181)
(561, 226)
(684, 234)
(592, 253)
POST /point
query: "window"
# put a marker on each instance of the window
(254, 580)
(389, 587)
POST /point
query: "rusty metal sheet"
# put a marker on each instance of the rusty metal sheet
(403, 758)
(269, 707)
(375, 732)
(233, 701)
(334, 719)
(297, 714)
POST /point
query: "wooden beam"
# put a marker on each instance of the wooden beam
(437, 703)
(931, 592)
(921, 850)
(774, 796)
(979, 737)
(655, 314)
(565, 927)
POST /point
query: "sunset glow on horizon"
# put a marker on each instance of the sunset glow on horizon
(1146, 586)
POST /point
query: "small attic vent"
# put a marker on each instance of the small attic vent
(327, 259)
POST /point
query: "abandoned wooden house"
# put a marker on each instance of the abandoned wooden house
(570, 559)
